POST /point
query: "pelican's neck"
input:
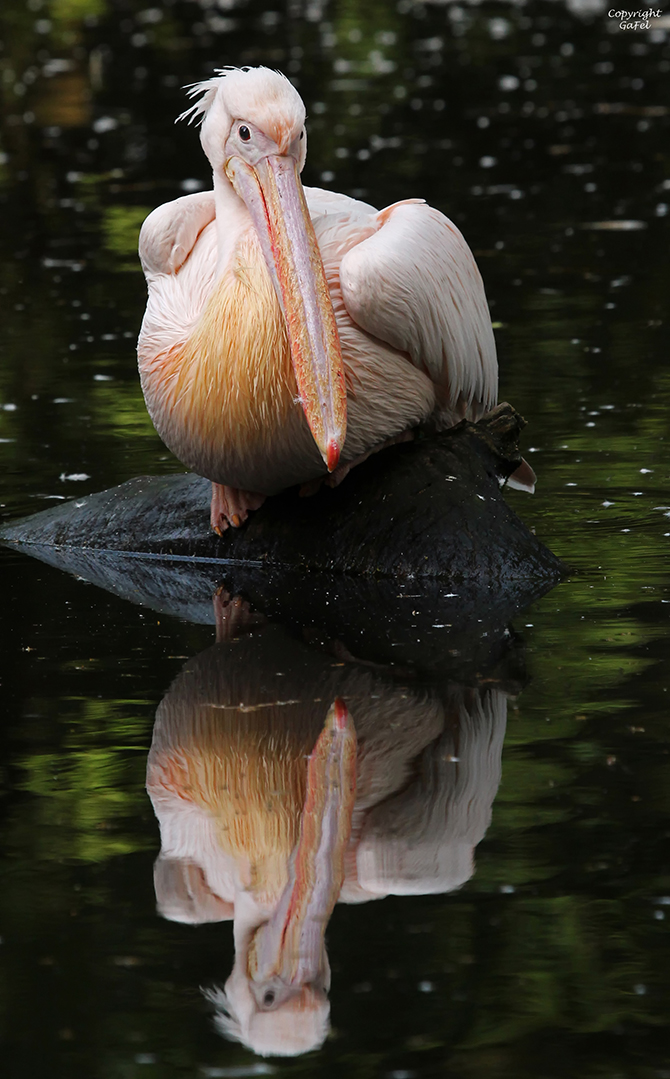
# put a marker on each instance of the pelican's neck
(233, 220)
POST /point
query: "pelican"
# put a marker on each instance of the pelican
(291, 331)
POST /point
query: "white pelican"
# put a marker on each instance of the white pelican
(290, 331)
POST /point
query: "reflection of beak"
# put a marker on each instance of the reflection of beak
(290, 947)
(275, 199)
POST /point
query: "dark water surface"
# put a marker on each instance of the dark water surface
(543, 132)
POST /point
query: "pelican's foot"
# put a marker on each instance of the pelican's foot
(231, 506)
(232, 616)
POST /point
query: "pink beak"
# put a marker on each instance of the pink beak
(274, 196)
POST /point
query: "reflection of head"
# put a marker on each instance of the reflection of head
(296, 1026)
(293, 1021)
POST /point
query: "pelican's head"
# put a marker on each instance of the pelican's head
(250, 113)
(253, 132)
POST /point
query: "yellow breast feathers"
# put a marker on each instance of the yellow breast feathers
(231, 381)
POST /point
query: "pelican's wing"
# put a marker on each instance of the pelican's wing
(321, 201)
(415, 285)
(170, 232)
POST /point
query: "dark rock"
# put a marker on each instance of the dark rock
(415, 562)
(432, 508)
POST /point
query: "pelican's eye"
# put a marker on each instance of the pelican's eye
(268, 999)
(302, 135)
(244, 133)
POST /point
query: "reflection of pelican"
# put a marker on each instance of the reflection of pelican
(422, 840)
(232, 789)
(270, 306)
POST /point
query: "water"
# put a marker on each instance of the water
(537, 129)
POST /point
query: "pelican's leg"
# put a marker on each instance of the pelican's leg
(232, 616)
(230, 506)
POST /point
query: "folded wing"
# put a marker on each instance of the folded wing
(171, 231)
(415, 285)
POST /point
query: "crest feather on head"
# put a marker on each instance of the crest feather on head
(196, 113)
(258, 94)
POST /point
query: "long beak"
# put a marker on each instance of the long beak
(291, 945)
(275, 199)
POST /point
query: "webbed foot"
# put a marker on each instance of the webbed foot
(231, 506)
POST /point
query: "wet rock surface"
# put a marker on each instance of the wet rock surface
(432, 508)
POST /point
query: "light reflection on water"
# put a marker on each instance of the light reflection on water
(529, 127)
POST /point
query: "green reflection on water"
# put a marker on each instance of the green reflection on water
(88, 791)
